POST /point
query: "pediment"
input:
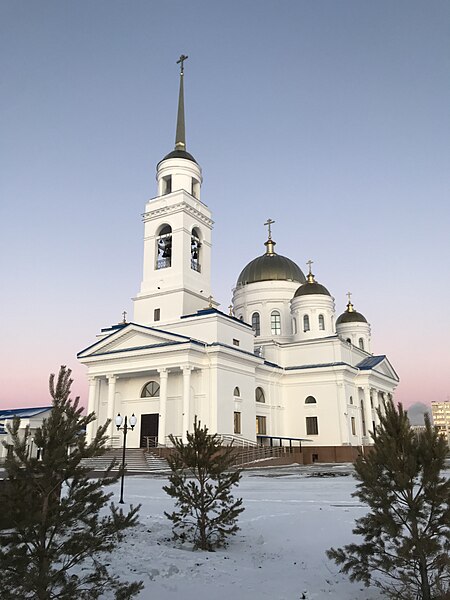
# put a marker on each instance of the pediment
(132, 337)
(380, 364)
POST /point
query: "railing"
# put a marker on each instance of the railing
(151, 441)
(237, 441)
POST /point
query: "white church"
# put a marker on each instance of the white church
(279, 368)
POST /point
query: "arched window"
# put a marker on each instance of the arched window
(195, 249)
(237, 392)
(294, 326)
(351, 400)
(275, 323)
(256, 325)
(150, 390)
(361, 343)
(241, 318)
(321, 322)
(164, 247)
(348, 340)
(305, 323)
(310, 400)
(259, 395)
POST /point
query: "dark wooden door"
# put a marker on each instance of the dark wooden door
(149, 428)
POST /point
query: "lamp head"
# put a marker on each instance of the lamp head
(133, 421)
(119, 421)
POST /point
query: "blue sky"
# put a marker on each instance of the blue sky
(330, 117)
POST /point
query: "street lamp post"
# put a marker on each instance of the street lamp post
(119, 421)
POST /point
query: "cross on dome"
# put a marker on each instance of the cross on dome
(180, 62)
(269, 222)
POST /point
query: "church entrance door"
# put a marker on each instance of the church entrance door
(149, 430)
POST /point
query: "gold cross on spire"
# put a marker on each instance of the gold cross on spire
(180, 62)
(269, 222)
(309, 263)
(124, 315)
(349, 296)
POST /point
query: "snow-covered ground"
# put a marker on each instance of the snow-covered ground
(290, 519)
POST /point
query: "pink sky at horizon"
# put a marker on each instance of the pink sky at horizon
(330, 118)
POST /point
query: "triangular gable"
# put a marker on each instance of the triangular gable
(131, 337)
(380, 364)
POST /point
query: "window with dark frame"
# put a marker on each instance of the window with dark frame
(256, 323)
(353, 422)
(310, 400)
(259, 395)
(261, 425)
(312, 426)
(305, 323)
(275, 323)
(157, 314)
(237, 422)
(150, 390)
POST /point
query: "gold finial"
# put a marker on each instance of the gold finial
(270, 243)
(124, 315)
(180, 62)
(349, 303)
(230, 309)
(210, 300)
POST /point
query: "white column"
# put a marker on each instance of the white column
(343, 419)
(92, 401)
(367, 412)
(163, 374)
(111, 397)
(186, 401)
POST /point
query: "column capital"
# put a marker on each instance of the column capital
(187, 368)
(92, 379)
(111, 378)
(163, 372)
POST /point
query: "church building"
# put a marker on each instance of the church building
(278, 367)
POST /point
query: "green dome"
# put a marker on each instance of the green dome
(179, 154)
(271, 267)
(352, 316)
(311, 287)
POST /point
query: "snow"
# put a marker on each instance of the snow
(291, 518)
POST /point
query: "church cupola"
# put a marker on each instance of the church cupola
(177, 238)
(312, 310)
(263, 292)
(179, 170)
(352, 327)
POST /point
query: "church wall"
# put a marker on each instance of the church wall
(328, 408)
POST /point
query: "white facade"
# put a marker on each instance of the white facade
(278, 366)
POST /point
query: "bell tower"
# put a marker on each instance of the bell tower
(177, 236)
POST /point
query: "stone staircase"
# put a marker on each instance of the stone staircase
(137, 460)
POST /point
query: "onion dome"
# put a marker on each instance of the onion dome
(180, 136)
(270, 267)
(351, 316)
(311, 286)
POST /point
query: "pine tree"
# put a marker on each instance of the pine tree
(406, 533)
(58, 529)
(201, 480)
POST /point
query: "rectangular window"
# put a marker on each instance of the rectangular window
(236, 342)
(312, 426)
(261, 425)
(157, 314)
(237, 422)
(353, 426)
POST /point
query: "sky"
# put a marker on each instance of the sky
(332, 118)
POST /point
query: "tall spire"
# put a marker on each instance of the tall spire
(180, 137)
